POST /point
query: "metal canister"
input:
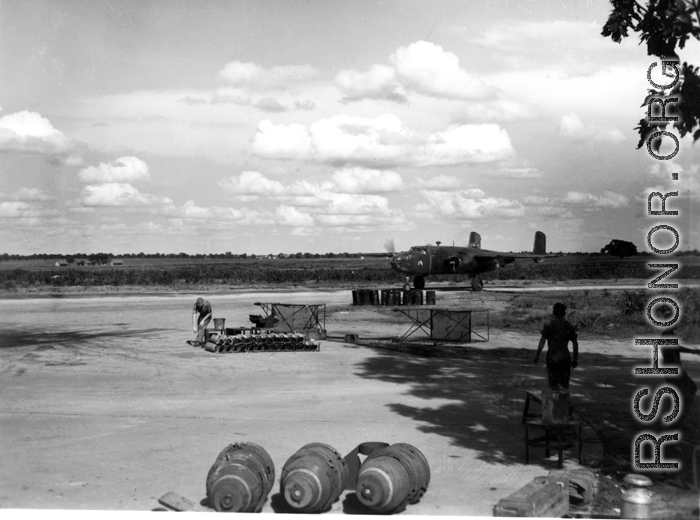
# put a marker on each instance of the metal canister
(313, 478)
(240, 479)
(636, 500)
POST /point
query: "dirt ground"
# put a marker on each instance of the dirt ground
(105, 406)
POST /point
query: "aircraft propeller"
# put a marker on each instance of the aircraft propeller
(390, 246)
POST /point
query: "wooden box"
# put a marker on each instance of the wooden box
(544, 496)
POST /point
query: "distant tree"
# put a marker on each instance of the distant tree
(620, 248)
(663, 25)
(70, 259)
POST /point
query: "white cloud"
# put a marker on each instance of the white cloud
(281, 141)
(380, 141)
(30, 132)
(13, 209)
(470, 205)
(571, 126)
(118, 194)
(429, 69)
(253, 75)
(379, 82)
(124, 169)
(609, 199)
(23, 210)
(251, 184)
(361, 180)
(290, 216)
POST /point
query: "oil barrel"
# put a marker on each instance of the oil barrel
(240, 479)
(393, 477)
(313, 478)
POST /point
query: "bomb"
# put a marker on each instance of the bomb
(313, 478)
(240, 479)
(392, 477)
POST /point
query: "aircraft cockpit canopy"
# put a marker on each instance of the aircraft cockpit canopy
(417, 249)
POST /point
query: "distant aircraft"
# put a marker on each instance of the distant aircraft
(421, 261)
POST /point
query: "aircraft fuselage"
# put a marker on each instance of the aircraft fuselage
(427, 260)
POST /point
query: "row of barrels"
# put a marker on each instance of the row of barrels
(315, 476)
(392, 297)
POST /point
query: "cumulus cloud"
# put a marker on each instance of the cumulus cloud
(379, 82)
(421, 67)
(429, 69)
(609, 199)
(572, 127)
(361, 180)
(23, 210)
(349, 199)
(470, 205)
(383, 141)
(124, 169)
(118, 194)
(250, 183)
(30, 132)
(291, 216)
(274, 78)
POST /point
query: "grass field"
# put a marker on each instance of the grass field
(195, 272)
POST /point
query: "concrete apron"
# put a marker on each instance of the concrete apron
(103, 436)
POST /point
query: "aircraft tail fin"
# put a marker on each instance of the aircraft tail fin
(475, 240)
(540, 247)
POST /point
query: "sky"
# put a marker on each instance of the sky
(273, 127)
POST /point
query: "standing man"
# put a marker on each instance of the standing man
(557, 332)
(201, 316)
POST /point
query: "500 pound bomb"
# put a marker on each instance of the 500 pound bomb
(240, 479)
(393, 477)
(313, 478)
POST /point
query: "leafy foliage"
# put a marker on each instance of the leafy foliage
(663, 25)
(620, 248)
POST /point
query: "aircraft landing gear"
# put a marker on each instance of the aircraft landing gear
(419, 282)
(477, 284)
(406, 285)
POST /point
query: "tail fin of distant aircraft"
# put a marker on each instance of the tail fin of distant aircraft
(540, 247)
(475, 240)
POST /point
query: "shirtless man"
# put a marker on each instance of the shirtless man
(557, 332)
(201, 316)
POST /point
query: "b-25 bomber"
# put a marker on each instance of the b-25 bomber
(421, 261)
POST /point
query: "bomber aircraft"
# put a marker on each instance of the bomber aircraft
(421, 261)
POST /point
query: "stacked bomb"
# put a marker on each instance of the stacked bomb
(240, 479)
(393, 477)
(315, 477)
(267, 342)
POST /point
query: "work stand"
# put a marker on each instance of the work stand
(295, 317)
(446, 325)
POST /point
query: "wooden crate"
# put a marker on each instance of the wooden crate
(544, 496)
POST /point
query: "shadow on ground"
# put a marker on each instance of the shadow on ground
(481, 394)
(32, 337)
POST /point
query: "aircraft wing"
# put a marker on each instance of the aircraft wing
(492, 255)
